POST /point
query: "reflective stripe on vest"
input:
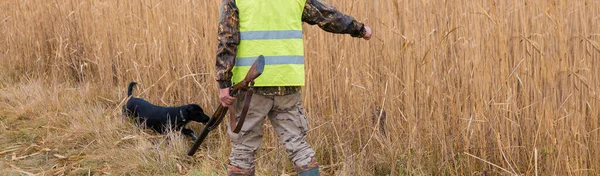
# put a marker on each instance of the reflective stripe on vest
(265, 35)
(271, 60)
(273, 29)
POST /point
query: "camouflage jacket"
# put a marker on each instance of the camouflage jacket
(315, 12)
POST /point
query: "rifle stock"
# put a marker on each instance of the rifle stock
(255, 71)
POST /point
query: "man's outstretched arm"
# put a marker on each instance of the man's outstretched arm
(331, 20)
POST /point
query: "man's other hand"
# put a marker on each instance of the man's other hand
(368, 33)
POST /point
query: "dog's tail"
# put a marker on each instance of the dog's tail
(130, 88)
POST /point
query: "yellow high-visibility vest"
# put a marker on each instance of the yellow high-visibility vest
(272, 28)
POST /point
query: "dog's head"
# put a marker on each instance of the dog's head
(195, 113)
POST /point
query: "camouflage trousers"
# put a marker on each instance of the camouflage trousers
(289, 122)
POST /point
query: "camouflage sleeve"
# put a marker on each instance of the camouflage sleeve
(229, 38)
(331, 20)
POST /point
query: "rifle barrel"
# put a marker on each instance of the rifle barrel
(198, 142)
(210, 125)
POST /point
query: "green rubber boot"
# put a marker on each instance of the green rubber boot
(311, 169)
(311, 172)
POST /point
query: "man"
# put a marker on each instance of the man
(249, 28)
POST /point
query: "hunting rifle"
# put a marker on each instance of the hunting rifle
(247, 84)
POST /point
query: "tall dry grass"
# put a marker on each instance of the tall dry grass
(466, 88)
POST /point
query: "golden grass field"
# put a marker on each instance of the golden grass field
(492, 87)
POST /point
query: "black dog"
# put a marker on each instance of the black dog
(160, 119)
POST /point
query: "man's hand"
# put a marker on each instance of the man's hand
(368, 33)
(224, 97)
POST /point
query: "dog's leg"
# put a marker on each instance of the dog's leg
(123, 114)
(189, 133)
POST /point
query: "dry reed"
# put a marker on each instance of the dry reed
(468, 88)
